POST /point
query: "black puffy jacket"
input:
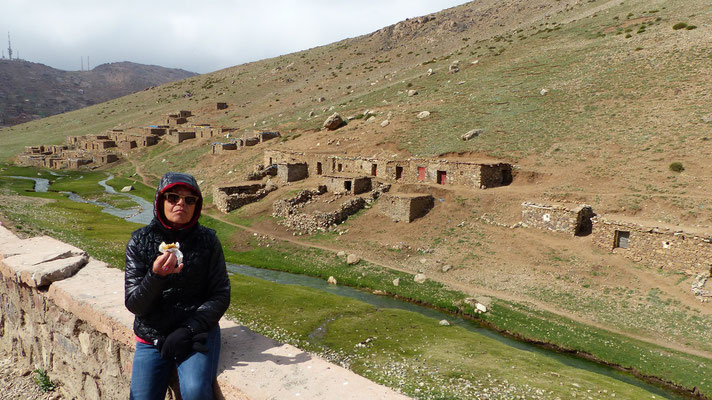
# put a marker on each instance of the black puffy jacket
(196, 297)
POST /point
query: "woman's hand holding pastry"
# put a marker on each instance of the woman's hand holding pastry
(165, 264)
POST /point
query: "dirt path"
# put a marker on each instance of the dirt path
(144, 178)
(475, 290)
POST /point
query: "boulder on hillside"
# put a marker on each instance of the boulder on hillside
(423, 114)
(419, 278)
(352, 259)
(126, 189)
(412, 92)
(334, 122)
(454, 67)
(472, 134)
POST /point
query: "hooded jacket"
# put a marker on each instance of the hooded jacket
(195, 298)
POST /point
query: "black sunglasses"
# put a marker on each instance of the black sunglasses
(174, 198)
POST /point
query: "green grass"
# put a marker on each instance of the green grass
(409, 351)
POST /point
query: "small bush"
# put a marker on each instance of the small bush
(676, 167)
(679, 25)
(42, 381)
(691, 27)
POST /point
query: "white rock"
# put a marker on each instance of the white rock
(412, 92)
(481, 308)
(385, 123)
(352, 259)
(396, 282)
(332, 280)
(419, 278)
(472, 134)
(446, 267)
(127, 188)
(341, 253)
(423, 114)
(544, 92)
(444, 322)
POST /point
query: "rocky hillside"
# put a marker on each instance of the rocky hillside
(30, 90)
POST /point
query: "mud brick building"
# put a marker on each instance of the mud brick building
(405, 206)
(346, 183)
(676, 251)
(575, 221)
(413, 170)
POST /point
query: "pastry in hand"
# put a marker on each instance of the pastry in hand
(172, 248)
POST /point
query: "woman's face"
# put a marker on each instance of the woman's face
(176, 206)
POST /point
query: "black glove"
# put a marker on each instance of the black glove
(178, 345)
(199, 341)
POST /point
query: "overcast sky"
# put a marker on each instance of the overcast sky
(199, 36)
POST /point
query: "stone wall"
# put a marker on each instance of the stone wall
(674, 251)
(293, 218)
(228, 198)
(575, 221)
(89, 356)
(63, 312)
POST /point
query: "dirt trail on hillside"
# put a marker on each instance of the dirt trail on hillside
(476, 290)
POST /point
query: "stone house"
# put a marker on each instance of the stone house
(413, 170)
(127, 145)
(173, 120)
(576, 221)
(99, 145)
(105, 158)
(156, 130)
(251, 141)
(290, 172)
(676, 251)
(75, 163)
(222, 147)
(177, 137)
(405, 206)
(265, 136)
(352, 184)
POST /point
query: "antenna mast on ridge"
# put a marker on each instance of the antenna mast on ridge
(9, 46)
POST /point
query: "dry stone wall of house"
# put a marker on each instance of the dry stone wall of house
(557, 218)
(229, 198)
(294, 219)
(659, 248)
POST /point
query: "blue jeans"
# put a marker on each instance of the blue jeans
(151, 373)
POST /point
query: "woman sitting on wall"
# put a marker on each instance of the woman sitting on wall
(177, 286)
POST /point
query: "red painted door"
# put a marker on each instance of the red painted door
(421, 173)
(442, 177)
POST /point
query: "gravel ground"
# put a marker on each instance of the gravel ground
(18, 382)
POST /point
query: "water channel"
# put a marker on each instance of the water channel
(143, 213)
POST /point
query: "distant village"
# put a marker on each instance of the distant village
(94, 151)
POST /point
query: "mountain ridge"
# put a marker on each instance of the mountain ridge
(31, 90)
